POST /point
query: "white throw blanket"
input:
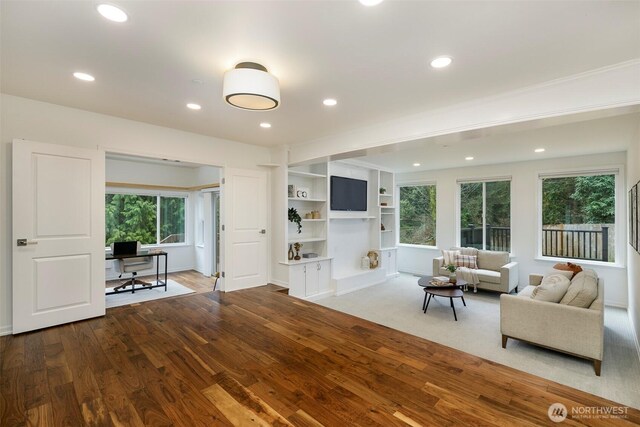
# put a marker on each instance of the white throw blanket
(470, 276)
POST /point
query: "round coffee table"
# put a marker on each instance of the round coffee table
(447, 292)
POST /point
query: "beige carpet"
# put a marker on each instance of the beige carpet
(141, 295)
(397, 303)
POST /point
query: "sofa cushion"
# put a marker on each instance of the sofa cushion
(488, 276)
(449, 256)
(492, 260)
(466, 261)
(552, 288)
(568, 266)
(583, 290)
(527, 291)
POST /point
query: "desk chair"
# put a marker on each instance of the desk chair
(132, 265)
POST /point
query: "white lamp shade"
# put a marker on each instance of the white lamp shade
(251, 89)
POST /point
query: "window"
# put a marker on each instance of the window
(418, 215)
(578, 217)
(485, 215)
(148, 219)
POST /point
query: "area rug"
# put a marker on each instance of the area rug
(173, 289)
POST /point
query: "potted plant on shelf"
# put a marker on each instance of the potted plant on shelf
(383, 190)
(452, 272)
(294, 216)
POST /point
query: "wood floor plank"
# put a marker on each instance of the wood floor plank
(260, 357)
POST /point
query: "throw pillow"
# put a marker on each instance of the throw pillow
(569, 266)
(566, 273)
(468, 261)
(583, 290)
(449, 257)
(552, 288)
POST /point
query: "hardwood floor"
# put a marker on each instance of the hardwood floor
(260, 357)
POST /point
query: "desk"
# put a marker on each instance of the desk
(157, 254)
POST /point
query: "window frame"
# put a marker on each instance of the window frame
(483, 181)
(415, 184)
(620, 212)
(159, 193)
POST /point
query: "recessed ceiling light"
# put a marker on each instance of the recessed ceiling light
(416, 164)
(193, 106)
(468, 158)
(265, 125)
(441, 62)
(329, 102)
(112, 13)
(539, 150)
(84, 76)
(370, 2)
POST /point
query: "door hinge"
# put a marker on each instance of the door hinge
(222, 227)
(223, 180)
(223, 274)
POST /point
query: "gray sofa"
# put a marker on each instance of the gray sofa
(495, 271)
(574, 330)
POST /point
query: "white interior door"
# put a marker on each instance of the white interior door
(244, 206)
(58, 214)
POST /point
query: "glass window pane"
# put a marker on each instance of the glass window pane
(172, 219)
(578, 217)
(498, 216)
(418, 215)
(471, 215)
(130, 217)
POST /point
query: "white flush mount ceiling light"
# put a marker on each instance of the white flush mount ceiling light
(249, 86)
(112, 13)
(193, 106)
(441, 62)
(539, 150)
(370, 2)
(84, 76)
(469, 158)
(330, 102)
(265, 125)
(416, 164)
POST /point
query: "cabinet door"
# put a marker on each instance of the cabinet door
(393, 262)
(312, 279)
(297, 279)
(324, 276)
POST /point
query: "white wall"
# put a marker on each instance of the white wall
(524, 216)
(23, 118)
(135, 172)
(633, 176)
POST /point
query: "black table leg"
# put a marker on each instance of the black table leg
(165, 271)
(465, 304)
(424, 301)
(428, 301)
(454, 309)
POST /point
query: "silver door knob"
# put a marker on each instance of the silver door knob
(263, 231)
(25, 242)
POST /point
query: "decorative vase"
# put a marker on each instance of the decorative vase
(297, 247)
(453, 278)
(290, 254)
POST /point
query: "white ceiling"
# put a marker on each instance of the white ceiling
(508, 144)
(374, 60)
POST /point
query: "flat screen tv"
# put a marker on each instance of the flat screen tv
(348, 194)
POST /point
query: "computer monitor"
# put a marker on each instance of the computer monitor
(125, 248)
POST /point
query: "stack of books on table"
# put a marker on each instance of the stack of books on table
(440, 281)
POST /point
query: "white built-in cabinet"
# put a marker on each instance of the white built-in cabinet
(309, 278)
(336, 269)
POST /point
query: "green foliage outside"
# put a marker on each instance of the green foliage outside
(132, 217)
(579, 200)
(418, 215)
(497, 213)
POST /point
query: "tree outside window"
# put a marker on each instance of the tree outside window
(578, 217)
(418, 215)
(148, 219)
(485, 215)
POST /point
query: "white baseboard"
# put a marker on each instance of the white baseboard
(6, 330)
(279, 283)
(316, 297)
(634, 332)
